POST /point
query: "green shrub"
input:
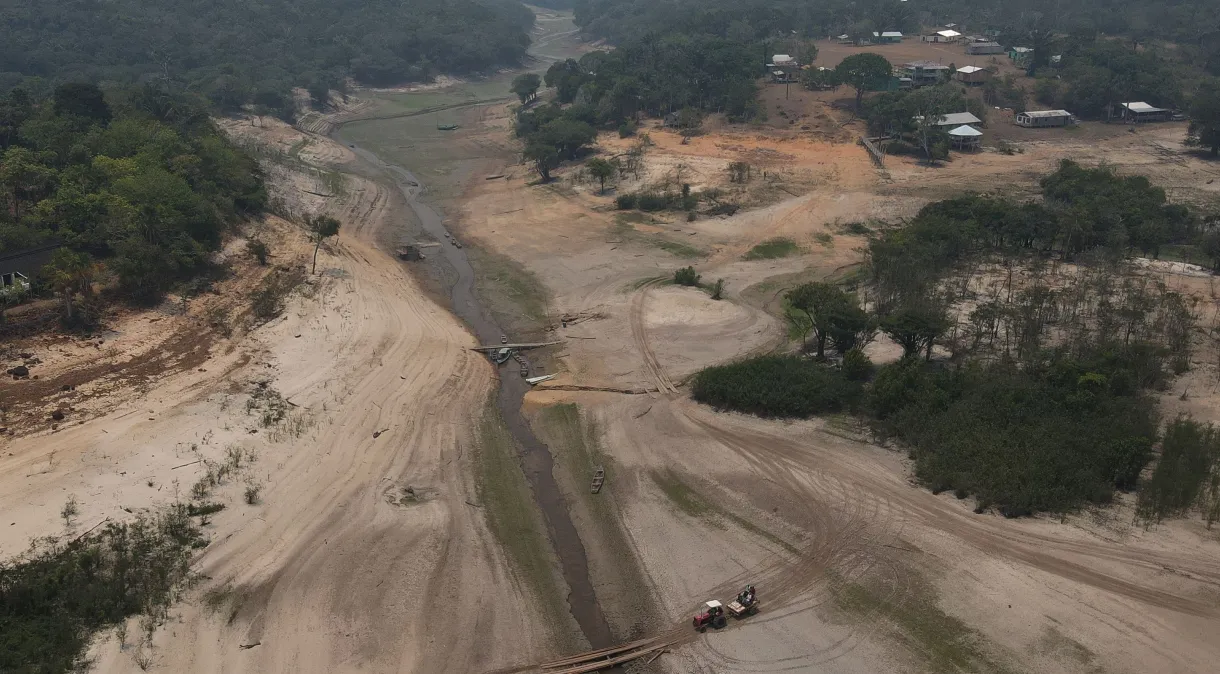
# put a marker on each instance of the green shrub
(653, 201)
(625, 201)
(258, 250)
(56, 595)
(195, 509)
(1024, 441)
(775, 386)
(626, 129)
(1186, 476)
(686, 276)
(902, 147)
(856, 365)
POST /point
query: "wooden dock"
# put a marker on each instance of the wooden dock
(599, 478)
(497, 347)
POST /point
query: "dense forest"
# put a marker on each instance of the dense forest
(1193, 25)
(238, 51)
(1048, 347)
(142, 180)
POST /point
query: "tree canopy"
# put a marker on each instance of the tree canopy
(141, 180)
(1205, 118)
(240, 51)
(860, 70)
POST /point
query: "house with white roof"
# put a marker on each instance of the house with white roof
(947, 35)
(1140, 111)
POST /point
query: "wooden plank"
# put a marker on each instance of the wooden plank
(592, 655)
(611, 662)
(497, 347)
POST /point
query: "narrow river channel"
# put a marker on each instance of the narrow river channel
(537, 461)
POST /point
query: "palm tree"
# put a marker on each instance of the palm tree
(71, 273)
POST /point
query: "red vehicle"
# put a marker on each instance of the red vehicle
(712, 616)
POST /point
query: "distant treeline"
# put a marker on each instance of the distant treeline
(254, 51)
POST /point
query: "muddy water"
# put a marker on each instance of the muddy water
(536, 458)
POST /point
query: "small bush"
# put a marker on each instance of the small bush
(626, 129)
(775, 386)
(718, 290)
(902, 147)
(253, 493)
(856, 365)
(653, 201)
(70, 510)
(686, 276)
(726, 208)
(691, 216)
(625, 202)
(258, 250)
(206, 508)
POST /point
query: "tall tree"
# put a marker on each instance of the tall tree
(70, 274)
(544, 156)
(601, 169)
(861, 70)
(321, 227)
(83, 101)
(826, 306)
(526, 86)
(930, 104)
(1204, 128)
(916, 326)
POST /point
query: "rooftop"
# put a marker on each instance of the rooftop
(969, 69)
(1141, 107)
(1046, 113)
(948, 33)
(958, 118)
(781, 58)
(1023, 50)
(987, 43)
(891, 33)
(965, 131)
(926, 65)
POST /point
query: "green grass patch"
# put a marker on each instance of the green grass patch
(690, 502)
(676, 249)
(782, 386)
(505, 276)
(825, 239)
(942, 641)
(624, 228)
(513, 518)
(294, 152)
(634, 217)
(772, 249)
(682, 495)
